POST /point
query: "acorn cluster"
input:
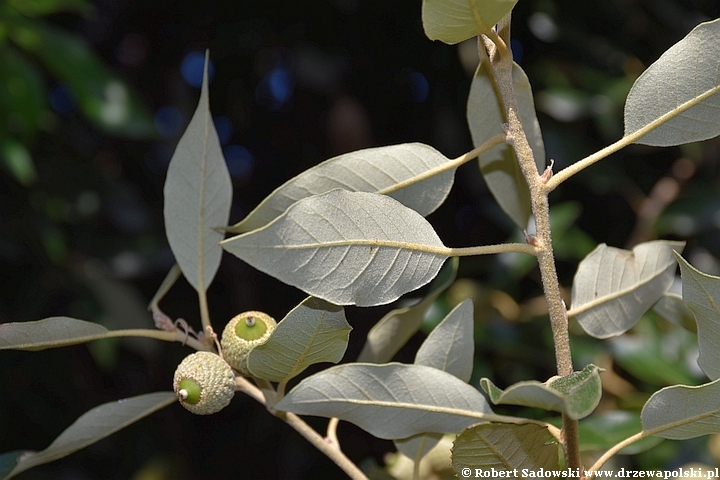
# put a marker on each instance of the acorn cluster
(204, 382)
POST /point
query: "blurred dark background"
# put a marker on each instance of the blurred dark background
(94, 96)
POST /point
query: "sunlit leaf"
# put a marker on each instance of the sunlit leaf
(395, 170)
(397, 327)
(681, 412)
(576, 394)
(313, 332)
(198, 196)
(389, 401)
(451, 345)
(613, 288)
(672, 308)
(103, 97)
(452, 21)
(505, 448)
(349, 248)
(499, 165)
(96, 424)
(701, 293)
(679, 92)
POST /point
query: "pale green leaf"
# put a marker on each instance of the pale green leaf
(701, 293)
(451, 346)
(198, 196)
(452, 21)
(48, 333)
(672, 308)
(576, 394)
(681, 412)
(613, 288)
(397, 327)
(499, 165)
(678, 94)
(399, 171)
(505, 448)
(96, 424)
(313, 332)
(349, 248)
(417, 446)
(389, 401)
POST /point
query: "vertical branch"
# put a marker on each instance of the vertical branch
(502, 64)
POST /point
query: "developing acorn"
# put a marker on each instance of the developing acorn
(204, 383)
(243, 333)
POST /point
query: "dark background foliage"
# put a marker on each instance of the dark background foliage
(295, 83)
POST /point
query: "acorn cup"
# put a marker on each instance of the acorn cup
(243, 333)
(204, 383)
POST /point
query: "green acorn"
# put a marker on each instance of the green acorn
(243, 333)
(204, 383)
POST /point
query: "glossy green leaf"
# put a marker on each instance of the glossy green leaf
(672, 308)
(701, 293)
(576, 394)
(681, 412)
(504, 448)
(397, 327)
(679, 92)
(613, 288)
(103, 97)
(499, 165)
(451, 345)
(349, 248)
(198, 196)
(389, 401)
(313, 332)
(96, 424)
(398, 171)
(452, 21)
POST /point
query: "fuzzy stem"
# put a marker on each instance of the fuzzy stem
(501, 66)
(176, 336)
(332, 451)
(616, 448)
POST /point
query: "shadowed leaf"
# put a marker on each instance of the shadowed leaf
(576, 394)
(313, 332)
(505, 448)
(499, 165)
(681, 412)
(96, 424)
(613, 288)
